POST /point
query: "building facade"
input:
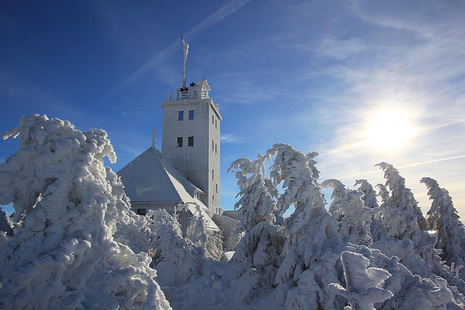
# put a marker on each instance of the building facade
(186, 174)
(191, 139)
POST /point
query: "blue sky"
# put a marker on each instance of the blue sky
(314, 74)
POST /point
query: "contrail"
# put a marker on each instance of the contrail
(432, 161)
(216, 17)
(405, 166)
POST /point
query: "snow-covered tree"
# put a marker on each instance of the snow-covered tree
(353, 218)
(402, 197)
(396, 227)
(339, 192)
(208, 239)
(443, 218)
(176, 258)
(383, 193)
(363, 283)
(5, 225)
(67, 206)
(312, 239)
(409, 291)
(258, 251)
(258, 195)
(369, 194)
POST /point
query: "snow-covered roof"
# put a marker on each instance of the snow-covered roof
(151, 177)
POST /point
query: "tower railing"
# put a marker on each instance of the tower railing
(188, 94)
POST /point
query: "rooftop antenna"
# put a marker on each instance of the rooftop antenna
(154, 135)
(185, 48)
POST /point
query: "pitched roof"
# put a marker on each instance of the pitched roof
(151, 177)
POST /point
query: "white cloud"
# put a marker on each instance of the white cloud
(230, 138)
(339, 49)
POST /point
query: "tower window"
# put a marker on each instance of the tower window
(190, 141)
(216, 123)
(179, 141)
(216, 188)
(213, 198)
(213, 119)
(213, 145)
(213, 174)
(216, 148)
(180, 115)
(191, 114)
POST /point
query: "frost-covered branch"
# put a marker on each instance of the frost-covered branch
(363, 283)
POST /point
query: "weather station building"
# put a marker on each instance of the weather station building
(187, 171)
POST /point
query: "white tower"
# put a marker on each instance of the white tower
(191, 136)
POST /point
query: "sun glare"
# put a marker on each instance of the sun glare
(389, 129)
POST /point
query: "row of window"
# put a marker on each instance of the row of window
(190, 141)
(191, 117)
(181, 115)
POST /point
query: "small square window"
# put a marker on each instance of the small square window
(180, 115)
(191, 114)
(190, 141)
(179, 141)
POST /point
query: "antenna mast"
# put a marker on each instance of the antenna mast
(154, 135)
(185, 48)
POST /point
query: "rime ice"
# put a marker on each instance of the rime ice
(67, 206)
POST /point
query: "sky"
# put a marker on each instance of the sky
(359, 82)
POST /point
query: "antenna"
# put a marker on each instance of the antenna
(185, 48)
(154, 135)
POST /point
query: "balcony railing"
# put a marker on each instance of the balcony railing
(188, 94)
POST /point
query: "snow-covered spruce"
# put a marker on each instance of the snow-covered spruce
(396, 229)
(258, 194)
(67, 208)
(258, 252)
(339, 192)
(313, 243)
(208, 239)
(444, 220)
(401, 197)
(353, 218)
(176, 258)
(369, 194)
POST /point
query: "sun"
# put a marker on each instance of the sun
(389, 129)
